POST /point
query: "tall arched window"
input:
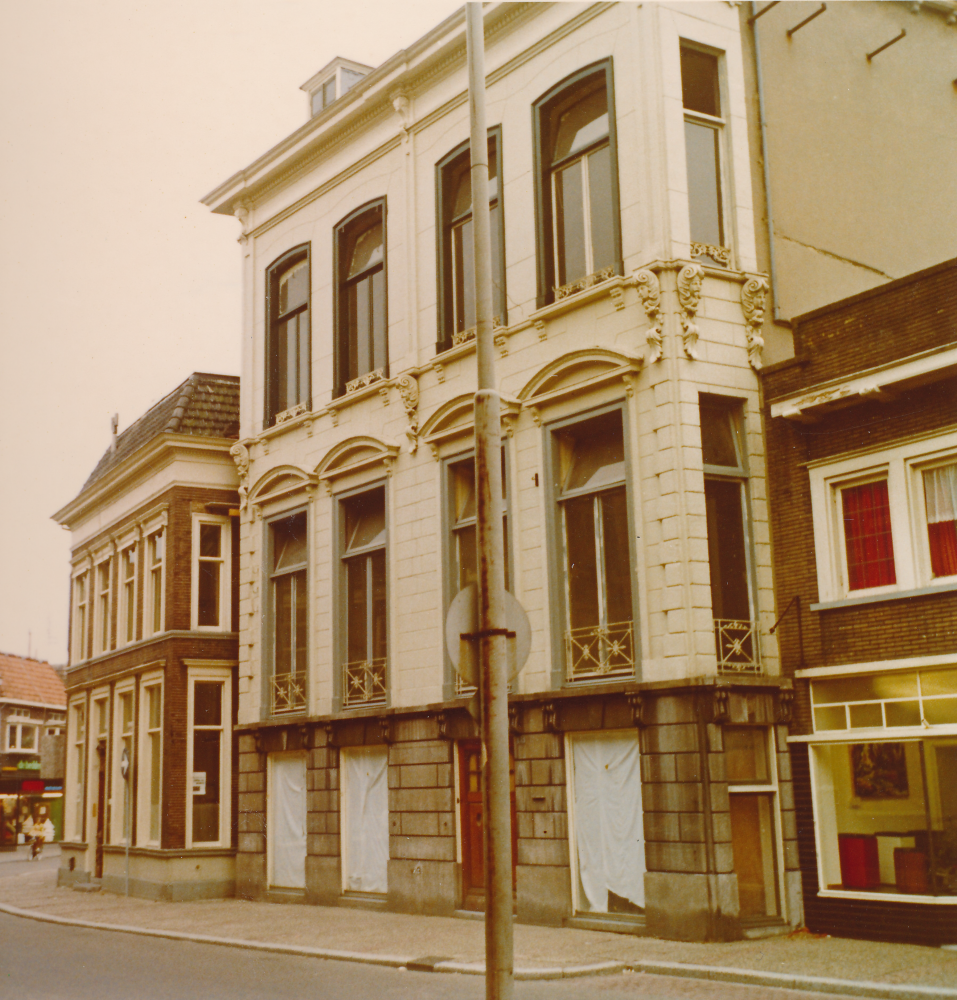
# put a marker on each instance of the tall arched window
(361, 298)
(456, 266)
(288, 340)
(579, 228)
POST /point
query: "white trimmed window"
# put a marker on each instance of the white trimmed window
(150, 768)
(704, 155)
(81, 614)
(208, 758)
(212, 552)
(22, 736)
(154, 605)
(103, 575)
(76, 771)
(126, 628)
(886, 523)
(120, 815)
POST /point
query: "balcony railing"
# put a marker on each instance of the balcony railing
(364, 683)
(737, 646)
(598, 651)
(288, 693)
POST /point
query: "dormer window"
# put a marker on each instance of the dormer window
(331, 82)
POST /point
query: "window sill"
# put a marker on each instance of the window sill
(848, 602)
(886, 897)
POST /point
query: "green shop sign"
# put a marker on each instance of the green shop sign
(28, 765)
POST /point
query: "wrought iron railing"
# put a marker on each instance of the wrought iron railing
(288, 693)
(364, 683)
(599, 651)
(737, 646)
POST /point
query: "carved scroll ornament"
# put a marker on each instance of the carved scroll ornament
(240, 454)
(408, 388)
(752, 303)
(689, 296)
(650, 291)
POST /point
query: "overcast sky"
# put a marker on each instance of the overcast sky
(116, 116)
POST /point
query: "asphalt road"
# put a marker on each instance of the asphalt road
(40, 961)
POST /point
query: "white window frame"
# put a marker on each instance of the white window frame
(225, 576)
(150, 581)
(148, 682)
(102, 613)
(125, 621)
(81, 632)
(720, 125)
(118, 790)
(847, 737)
(99, 696)
(204, 671)
(15, 727)
(902, 466)
(76, 769)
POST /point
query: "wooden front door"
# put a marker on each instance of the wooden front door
(473, 847)
(100, 806)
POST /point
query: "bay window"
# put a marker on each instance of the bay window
(363, 576)
(701, 97)
(596, 560)
(288, 342)
(729, 534)
(578, 214)
(289, 612)
(211, 578)
(361, 320)
(456, 265)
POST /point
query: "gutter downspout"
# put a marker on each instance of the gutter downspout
(772, 264)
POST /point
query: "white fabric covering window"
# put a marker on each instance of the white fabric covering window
(609, 833)
(366, 808)
(940, 487)
(289, 822)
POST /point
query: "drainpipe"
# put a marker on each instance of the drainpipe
(772, 265)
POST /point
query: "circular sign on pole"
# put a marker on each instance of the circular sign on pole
(462, 620)
(125, 764)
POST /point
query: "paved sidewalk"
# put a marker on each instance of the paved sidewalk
(801, 961)
(22, 853)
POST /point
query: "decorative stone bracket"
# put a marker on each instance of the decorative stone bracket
(753, 293)
(408, 387)
(689, 297)
(650, 291)
(240, 454)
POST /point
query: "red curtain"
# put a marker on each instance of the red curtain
(867, 536)
(943, 548)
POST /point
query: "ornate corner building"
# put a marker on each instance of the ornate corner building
(652, 784)
(151, 693)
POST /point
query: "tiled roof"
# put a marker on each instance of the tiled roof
(30, 680)
(204, 405)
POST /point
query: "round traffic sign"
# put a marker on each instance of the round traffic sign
(462, 619)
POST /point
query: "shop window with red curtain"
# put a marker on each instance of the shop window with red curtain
(940, 493)
(867, 536)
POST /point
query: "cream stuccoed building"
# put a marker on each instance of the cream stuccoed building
(651, 779)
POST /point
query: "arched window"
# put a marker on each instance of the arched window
(456, 266)
(579, 228)
(288, 340)
(361, 298)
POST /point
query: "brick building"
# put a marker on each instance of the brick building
(153, 656)
(32, 723)
(652, 785)
(862, 476)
